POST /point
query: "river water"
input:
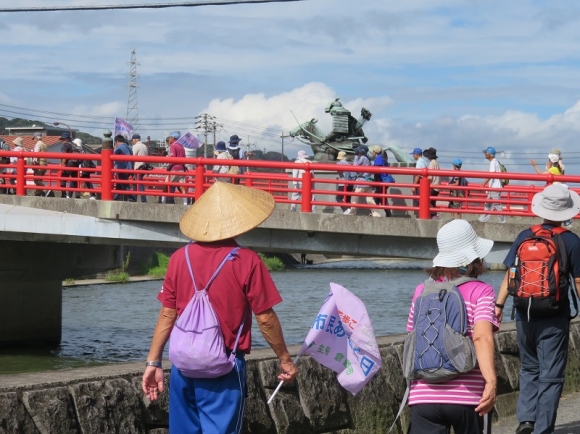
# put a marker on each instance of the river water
(114, 322)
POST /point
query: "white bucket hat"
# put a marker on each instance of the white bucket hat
(459, 245)
(556, 203)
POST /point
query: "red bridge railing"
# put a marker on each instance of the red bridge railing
(317, 187)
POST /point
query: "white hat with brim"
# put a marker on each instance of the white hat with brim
(556, 203)
(459, 245)
(225, 211)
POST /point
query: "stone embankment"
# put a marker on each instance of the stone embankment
(108, 399)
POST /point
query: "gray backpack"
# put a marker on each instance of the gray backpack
(438, 349)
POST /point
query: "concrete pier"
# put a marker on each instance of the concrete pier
(31, 275)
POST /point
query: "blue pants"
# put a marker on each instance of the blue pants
(207, 405)
(543, 345)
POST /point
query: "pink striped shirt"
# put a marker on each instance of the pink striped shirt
(465, 389)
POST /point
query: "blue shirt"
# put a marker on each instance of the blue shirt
(123, 149)
(381, 177)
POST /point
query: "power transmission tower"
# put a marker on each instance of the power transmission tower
(132, 107)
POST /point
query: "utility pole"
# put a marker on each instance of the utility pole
(205, 123)
(283, 136)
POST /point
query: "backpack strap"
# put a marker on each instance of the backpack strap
(229, 257)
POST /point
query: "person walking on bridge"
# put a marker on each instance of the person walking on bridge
(216, 405)
(140, 150)
(363, 180)
(39, 146)
(122, 148)
(68, 148)
(495, 183)
(302, 157)
(543, 336)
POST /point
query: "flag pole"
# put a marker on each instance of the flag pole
(282, 382)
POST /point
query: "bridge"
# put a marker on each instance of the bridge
(49, 239)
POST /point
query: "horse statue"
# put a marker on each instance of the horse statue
(346, 134)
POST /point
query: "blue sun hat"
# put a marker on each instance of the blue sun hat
(490, 151)
(220, 147)
(175, 134)
(234, 142)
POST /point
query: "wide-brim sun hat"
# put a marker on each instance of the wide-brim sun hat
(430, 153)
(225, 211)
(234, 142)
(459, 245)
(341, 155)
(556, 203)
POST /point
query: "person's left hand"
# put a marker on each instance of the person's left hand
(152, 382)
(487, 400)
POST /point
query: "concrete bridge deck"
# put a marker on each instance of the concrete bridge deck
(115, 223)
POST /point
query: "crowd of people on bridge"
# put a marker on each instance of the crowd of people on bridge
(358, 187)
(130, 177)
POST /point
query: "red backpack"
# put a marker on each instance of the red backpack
(539, 279)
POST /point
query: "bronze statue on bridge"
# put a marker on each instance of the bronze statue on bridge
(346, 134)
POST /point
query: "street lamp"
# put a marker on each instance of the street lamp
(56, 124)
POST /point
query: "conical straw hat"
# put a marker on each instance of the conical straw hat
(225, 211)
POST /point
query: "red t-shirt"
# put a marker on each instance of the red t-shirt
(241, 284)
(176, 150)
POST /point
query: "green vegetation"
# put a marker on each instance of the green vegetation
(159, 265)
(69, 281)
(119, 275)
(272, 263)
(18, 122)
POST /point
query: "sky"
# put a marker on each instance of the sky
(456, 75)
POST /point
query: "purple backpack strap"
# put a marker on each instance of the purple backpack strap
(229, 257)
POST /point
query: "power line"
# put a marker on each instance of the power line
(141, 6)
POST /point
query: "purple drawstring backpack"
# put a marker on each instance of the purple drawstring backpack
(196, 345)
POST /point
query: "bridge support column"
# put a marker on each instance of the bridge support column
(30, 311)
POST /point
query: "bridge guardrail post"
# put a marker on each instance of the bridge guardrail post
(307, 189)
(199, 178)
(424, 197)
(107, 167)
(20, 176)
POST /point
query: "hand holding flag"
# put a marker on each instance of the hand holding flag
(342, 339)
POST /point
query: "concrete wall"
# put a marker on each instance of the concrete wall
(108, 399)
